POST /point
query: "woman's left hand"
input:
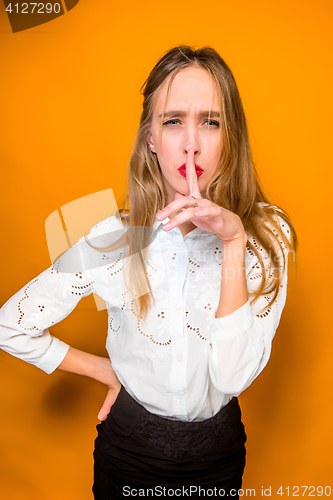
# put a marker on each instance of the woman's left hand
(207, 215)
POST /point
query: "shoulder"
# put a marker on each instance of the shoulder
(275, 219)
(271, 236)
(106, 226)
(106, 232)
(86, 253)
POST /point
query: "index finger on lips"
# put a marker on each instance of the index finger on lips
(191, 175)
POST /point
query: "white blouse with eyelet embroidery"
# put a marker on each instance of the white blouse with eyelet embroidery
(181, 362)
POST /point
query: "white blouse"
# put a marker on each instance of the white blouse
(181, 362)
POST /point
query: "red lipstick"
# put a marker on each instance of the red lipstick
(182, 170)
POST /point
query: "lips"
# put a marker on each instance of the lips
(182, 170)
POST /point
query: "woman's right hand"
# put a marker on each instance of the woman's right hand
(96, 367)
(114, 388)
(108, 402)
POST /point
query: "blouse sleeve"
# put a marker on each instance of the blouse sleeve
(46, 300)
(241, 342)
(49, 298)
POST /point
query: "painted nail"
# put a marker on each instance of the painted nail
(167, 225)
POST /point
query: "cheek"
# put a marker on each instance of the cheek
(218, 149)
(166, 150)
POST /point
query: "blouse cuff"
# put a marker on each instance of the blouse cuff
(234, 324)
(53, 356)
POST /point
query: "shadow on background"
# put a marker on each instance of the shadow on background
(64, 398)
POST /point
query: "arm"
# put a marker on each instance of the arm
(24, 323)
(233, 292)
(45, 301)
(226, 225)
(26, 317)
(94, 367)
(240, 335)
(241, 341)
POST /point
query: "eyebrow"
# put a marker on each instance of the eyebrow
(204, 114)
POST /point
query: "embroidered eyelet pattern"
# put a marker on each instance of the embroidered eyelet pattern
(192, 263)
(111, 324)
(217, 251)
(124, 301)
(174, 256)
(151, 267)
(195, 329)
(55, 269)
(81, 290)
(138, 324)
(249, 251)
(25, 297)
(110, 317)
(255, 244)
(112, 266)
(265, 313)
(257, 277)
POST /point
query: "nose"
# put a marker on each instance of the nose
(191, 140)
(196, 151)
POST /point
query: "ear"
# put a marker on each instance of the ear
(151, 142)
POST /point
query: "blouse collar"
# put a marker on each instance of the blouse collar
(192, 234)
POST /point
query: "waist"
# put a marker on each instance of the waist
(126, 411)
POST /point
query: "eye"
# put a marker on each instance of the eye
(212, 123)
(173, 121)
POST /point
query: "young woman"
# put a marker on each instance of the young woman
(194, 274)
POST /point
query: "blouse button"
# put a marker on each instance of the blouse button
(179, 357)
(178, 307)
(180, 401)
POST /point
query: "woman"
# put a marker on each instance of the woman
(194, 275)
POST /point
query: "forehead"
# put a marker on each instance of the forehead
(191, 87)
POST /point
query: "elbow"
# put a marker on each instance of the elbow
(235, 383)
(234, 376)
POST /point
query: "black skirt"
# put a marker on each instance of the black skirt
(141, 454)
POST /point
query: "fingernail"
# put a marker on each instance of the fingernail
(166, 226)
(198, 213)
(159, 214)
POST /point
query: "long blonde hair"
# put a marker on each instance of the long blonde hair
(234, 186)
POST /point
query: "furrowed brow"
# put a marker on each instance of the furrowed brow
(169, 114)
(202, 114)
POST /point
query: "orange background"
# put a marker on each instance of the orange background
(69, 110)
